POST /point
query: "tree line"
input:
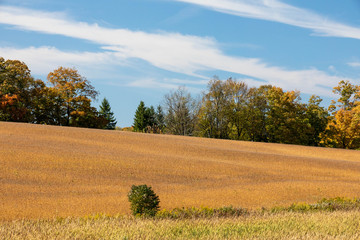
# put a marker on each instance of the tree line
(232, 110)
(226, 110)
(64, 100)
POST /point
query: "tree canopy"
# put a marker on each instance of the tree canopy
(64, 100)
(227, 109)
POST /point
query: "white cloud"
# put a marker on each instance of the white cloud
(354, 64)
(152, 83)
(174, 52)
(44, 59)
(277, 11)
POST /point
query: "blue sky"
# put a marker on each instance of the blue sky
(133, 50)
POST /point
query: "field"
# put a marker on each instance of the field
(324, 225)
(50, 171)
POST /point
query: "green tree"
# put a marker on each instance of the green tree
(213, 115)
(144, 201)
(160, 119)
(44, 105)
(150, 119)
(105, 112)
(237, 111)
(285, 120)
(257, 109)
(140, 119)
(318, 118)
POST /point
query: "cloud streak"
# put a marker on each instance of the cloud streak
(185, 54)
(354, 64)
(277, 11)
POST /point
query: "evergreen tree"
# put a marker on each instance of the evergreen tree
(105, 111)
(140, 119)
(160, 119)
(150, 117)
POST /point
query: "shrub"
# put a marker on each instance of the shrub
(144, 201)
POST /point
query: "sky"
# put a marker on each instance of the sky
(140, 50)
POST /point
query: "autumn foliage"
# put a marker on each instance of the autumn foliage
(65, 100)
(227, 110)
(343, 128)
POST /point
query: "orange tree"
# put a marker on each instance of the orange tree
(74, 94)
(15, 87)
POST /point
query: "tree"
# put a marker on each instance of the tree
(150, 119)
(144, 201)
(140, 121)
(44, 105)
(16, 83)
(349, 96)
(105, 111)
(343, 131)
(223, 112)
(74, 95)
(285, 118)
(160, 119)
(181, 111)
(317, 117)
(236, 109)
(257, 110)
(213, 114)
(343, 128)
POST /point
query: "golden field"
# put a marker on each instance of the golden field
(49, 171)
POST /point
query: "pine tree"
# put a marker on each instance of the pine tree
(160, 119)
(105, 111)
(140, 119)
(150, 117)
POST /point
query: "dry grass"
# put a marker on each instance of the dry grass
(49, 171)
(285, 225)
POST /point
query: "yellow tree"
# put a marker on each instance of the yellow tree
(74, 94)
(343, 128)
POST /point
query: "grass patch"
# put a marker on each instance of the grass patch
(331, 204)
(336, 218)
(203, 212)
(280, 225)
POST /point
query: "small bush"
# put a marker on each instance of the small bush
(144, 201)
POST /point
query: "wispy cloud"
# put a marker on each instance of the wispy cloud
(45, 59)
(354, 64)
(277, 11)
(152, 83)
(185, 54)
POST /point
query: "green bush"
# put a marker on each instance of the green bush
(144, 201)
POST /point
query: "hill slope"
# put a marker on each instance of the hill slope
(51, 171)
